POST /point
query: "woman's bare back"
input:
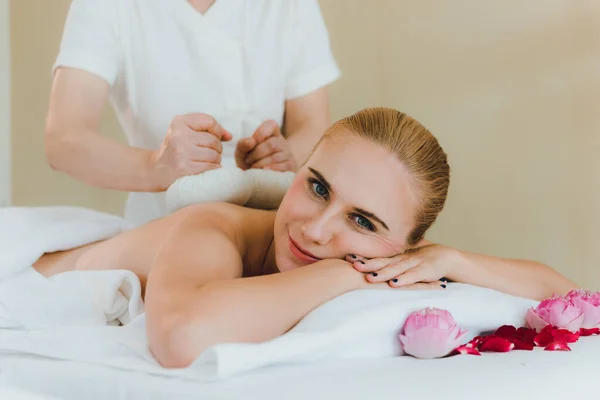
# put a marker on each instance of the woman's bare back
(133, 250)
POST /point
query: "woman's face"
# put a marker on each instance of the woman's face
(351, 197)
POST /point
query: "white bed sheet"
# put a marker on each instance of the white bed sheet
(516, 375)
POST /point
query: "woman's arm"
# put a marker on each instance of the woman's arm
(429, 262)
(517, 277)
(193, 300)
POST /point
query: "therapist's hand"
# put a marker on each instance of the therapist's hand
(427, 264)
(267, 148)
(192, 146)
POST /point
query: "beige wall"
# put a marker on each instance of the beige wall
(512, 90)
(36, 28)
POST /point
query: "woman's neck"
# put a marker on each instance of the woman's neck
(201, 6)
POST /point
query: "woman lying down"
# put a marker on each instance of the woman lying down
(354, 218)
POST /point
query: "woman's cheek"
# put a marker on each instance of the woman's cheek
(298, 203)
(367, 247)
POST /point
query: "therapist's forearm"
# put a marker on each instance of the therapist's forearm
(99, 161)
(304, 139)
(522, 278)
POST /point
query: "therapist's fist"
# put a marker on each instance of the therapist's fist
(192, 146)
(267, 148)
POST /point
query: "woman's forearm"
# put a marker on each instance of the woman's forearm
(99, 161)
(253, 309)
(517, 277)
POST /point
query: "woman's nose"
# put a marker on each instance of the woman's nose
(318, 230)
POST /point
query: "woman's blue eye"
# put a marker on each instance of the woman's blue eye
(364, 222)
(319, 189)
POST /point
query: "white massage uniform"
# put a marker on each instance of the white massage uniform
(238, 62)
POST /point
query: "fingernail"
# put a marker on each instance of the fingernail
(443, 280)
(395, 280)
(351, 256)
(360, 261)
(374, 273)
(444, 286)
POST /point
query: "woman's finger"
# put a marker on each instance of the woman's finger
(376, 264)
(393, 270)
(204, 154)
(283, 166)
(421, 286)
(422, 273)
(263, 150)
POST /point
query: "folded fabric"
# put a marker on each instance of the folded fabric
(28, 232)
(30, 301)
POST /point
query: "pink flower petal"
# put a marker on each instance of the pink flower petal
(464, 349)
(589, 303)
(589, 332)
(558, 345)
(534, 321)
(496, 344)
(555, 311)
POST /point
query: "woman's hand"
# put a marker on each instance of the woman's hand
(267, 148)
(362, 280)
(428, 265)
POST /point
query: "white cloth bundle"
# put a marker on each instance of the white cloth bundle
(254, 188)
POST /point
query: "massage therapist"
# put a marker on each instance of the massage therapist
(196, 85)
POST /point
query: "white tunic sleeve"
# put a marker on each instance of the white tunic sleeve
(313, 65)
(90, 39)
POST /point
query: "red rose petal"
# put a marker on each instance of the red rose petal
(464, 349)
(475, 342)
(526, 334)
(565, 335)
(558, 345)
(522, 345)
(506, 332)
(589, 332)
(496, 344)
(544, 338)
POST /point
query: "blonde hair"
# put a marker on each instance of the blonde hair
(416, 148)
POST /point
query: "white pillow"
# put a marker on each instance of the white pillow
(366, 324)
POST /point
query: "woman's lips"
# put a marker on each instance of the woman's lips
(300, 253)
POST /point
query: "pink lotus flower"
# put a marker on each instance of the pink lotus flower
(430, 333)
(589, 303)
(555, 311)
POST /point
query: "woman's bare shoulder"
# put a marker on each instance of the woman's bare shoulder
(230, 218)
(250, 230)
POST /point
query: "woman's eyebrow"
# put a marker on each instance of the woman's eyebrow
(358, 210)
(371, 215)
(321, 178)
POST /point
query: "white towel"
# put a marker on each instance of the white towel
(69, 316)
(30, 301)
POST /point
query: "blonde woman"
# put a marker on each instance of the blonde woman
(355, 217)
